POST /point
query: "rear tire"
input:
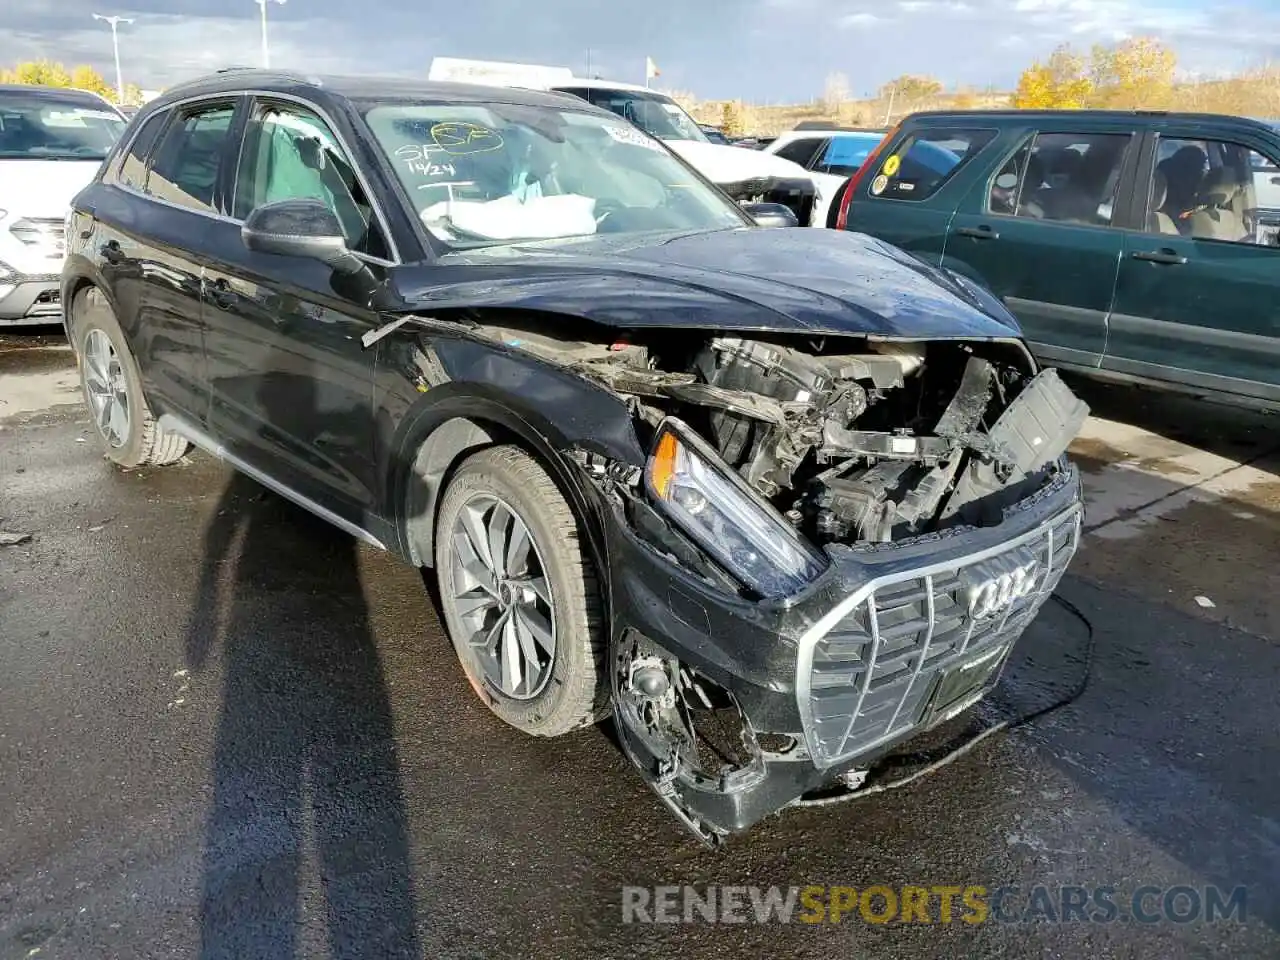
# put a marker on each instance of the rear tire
(548, 589)
(112, 388)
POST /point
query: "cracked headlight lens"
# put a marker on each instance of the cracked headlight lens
(710, 503)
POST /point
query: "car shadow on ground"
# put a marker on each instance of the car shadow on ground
(307, 825)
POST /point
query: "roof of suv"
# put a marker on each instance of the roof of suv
(237, 79)
(61, 94)
(1119, 116)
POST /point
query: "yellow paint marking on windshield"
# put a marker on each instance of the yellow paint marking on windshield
(459, 139)
(891, 165)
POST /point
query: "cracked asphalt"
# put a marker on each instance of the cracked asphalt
(227, 730)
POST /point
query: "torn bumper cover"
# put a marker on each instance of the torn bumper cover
(733, 710)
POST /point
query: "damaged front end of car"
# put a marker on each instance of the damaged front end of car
(832, 546)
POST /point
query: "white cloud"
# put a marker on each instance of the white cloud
(858, 21)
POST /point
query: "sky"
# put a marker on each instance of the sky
(762, 51)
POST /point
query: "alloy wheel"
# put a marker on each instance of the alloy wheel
(501, 597)
(105, 384)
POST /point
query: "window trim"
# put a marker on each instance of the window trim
(948, 179)
(244, 99)
(257, 100)
(173, 109)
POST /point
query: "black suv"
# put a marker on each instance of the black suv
(786, 492)
(1130, 245)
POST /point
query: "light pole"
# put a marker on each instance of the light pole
(115, 46)
(266, 53)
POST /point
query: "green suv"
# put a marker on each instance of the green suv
(1130, 245)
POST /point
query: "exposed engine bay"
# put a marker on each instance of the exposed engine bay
(765, 465)
(854, 441)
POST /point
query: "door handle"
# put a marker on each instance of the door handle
(978, 233)
(1159, 256)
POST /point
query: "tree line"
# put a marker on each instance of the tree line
(47, 73)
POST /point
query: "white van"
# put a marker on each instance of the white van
(748, 176)
(52, 142)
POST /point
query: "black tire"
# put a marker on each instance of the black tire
(575, 694)
(145, 443)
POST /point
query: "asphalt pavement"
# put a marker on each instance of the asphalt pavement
(228, 730)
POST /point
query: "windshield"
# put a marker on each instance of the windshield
(40, 126)
(479, 175)
(655, 114)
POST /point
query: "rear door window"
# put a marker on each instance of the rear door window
(1065, 177)
(845, 154)
(926, 160)
(801, 150)
(187, 162)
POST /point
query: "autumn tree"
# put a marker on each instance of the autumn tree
(1062, 82)
(47, 73)
(909, 88)
(1137, 74)
(87, 78)
(731, 119)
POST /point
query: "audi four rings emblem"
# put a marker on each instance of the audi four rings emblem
(997, 594)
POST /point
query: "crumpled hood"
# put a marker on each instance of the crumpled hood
(788, 280)
(42, 188)
(721, 163)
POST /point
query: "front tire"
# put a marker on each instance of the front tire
(112, 388)
(519, 595)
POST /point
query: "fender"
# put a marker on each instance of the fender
(482, 394)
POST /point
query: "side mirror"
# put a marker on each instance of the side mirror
(299, 228)
(772, 214)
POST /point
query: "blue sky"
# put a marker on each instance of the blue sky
(759, 50)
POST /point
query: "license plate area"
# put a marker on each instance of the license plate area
(961, 686)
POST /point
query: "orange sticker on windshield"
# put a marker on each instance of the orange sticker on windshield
(891, 165)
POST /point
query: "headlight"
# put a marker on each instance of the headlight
(729, 520)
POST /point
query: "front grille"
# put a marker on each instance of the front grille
(868, 678)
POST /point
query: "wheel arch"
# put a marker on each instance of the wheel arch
(445, 432)
(79, 279)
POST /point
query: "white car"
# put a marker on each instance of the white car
(52, 142)
(831, 155)
(746, 175)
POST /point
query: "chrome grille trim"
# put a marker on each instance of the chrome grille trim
(851, 652)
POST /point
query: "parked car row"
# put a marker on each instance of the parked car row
(776, 500)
